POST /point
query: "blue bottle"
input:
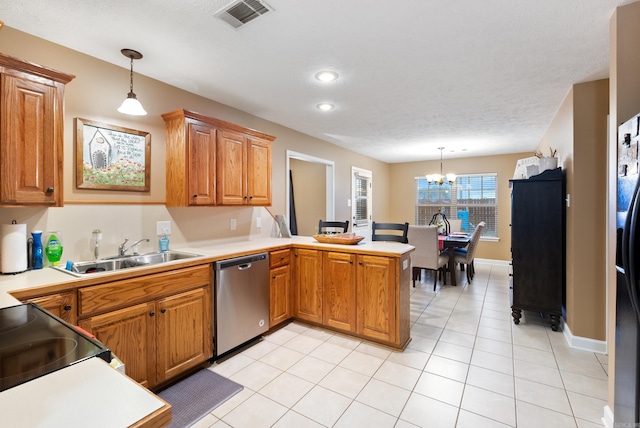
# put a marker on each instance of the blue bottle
(38, 252)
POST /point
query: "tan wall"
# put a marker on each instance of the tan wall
(579, 133)
(402, 200)
(95, 94)
(624, 102)
(309, 193)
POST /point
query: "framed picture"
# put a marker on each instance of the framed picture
(111, 157)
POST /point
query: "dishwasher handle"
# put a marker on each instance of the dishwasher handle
(244, 266)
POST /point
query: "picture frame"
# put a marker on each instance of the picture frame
(110, 157)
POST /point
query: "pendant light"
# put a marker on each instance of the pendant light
(131, 105)
(440, 179)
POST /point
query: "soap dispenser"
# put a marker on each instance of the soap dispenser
(164, 241)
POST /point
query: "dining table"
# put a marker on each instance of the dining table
(450, 243)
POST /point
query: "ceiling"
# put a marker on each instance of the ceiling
(475, 77)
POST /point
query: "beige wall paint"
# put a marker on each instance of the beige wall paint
(624, 102)
(310, 190)
(402, 200)
(95, 94)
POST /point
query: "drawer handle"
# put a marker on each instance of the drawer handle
(67, 307)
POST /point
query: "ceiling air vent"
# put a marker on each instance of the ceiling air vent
(241, 12)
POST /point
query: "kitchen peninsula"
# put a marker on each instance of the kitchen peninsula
(371, 281)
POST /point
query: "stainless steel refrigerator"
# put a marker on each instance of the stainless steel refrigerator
(627, 338)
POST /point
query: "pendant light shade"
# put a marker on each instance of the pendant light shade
(131, 105)
(441, 178)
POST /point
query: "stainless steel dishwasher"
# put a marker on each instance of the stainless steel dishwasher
(240, 301)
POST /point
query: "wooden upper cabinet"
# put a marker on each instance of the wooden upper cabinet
(213, 162)
(31, 133)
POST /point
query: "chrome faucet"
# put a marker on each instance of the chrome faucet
(122, 250)
(97, 236)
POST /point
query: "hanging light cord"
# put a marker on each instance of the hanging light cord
(131, 80)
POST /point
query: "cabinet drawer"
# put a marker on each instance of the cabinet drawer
(279, 258)
(106, 297)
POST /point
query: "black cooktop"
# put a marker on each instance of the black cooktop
(34, 342)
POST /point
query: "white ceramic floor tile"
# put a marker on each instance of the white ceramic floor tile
(259, 350)
(398, 375)
(362, 363)
(322, 406)
(587, 408)
(543, 395)
(330, 353)
(448, 368)
(344, 341)
(491, 380)
(537, 373)
(536, 356)
(426, 331)
(588, 368)
(422, 344)
(494, 333)
(489, 404)
(256, 412)
(494, 347)
(295, 419)
(440, 388)
(232, 403)
(360, 415)
(344, 381)
(383, 396)
(303, 344)
(493, 362)
(231, 366)
(426, 412)
(207, 422)
(471, 420)
(585, 385)
(453, 352)
(286, 389)
(410, 358)
(456, 338)
(256, 375)
(311, 369)
(530, 416)
(318, 333)
(371, 349)
(281, 336)
(282, 358)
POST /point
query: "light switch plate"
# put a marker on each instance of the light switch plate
(233, 224)
(163, 228)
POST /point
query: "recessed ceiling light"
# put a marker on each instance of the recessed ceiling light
(325, 106)
(327, 76)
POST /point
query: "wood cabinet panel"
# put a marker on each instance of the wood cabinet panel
(130, 334)
(258, 172)
(63, 305)
(376, 297)
(201, 171)
(184, 332)
(339, 291)
(308, 275)
(279, 258)
(101, 298)
(231, 169)
(31, 133)
(279, 295)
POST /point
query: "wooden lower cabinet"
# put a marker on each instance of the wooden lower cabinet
(308, 279)
(339, 291)
(376, 297)
(164, 328)
(63, 305)
(130, 334)
(279, 287)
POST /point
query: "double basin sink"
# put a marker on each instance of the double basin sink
(124, 262)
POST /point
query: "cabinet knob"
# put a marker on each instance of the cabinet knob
(244, 197)
(195, 196)
(273, 277)
(360, 263)
(350, 262)
(49, 190)
(152, 313)
(67, 307)
(250, 197)
(163, 310)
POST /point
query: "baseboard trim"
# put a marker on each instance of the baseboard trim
(607, 419)
(583, 343)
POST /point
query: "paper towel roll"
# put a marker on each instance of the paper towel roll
(13, 248)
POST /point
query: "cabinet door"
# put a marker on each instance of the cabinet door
(308, 295)
(184, 332)
(376, 297)
(130, 334)
(231, 172)
(339, 293)
(279, 295)
(258, 172)
(202, 162)
(63, 305)
(30, 169)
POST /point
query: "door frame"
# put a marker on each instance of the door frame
(361, 231)
(329, 182)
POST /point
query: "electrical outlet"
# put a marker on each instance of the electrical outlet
(163, 228)
(233, 224)
(258, 222)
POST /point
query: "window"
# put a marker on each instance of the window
(472, 198)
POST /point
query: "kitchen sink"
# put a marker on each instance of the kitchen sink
(124, 262)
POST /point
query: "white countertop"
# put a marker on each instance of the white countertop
(91, 393)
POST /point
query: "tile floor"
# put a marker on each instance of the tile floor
(467, 365)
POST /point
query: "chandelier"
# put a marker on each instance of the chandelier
(441, 178)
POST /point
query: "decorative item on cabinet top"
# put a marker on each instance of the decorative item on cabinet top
(111, 157)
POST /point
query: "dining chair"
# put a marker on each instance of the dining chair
(396, 232)
(333, 225)
(455, 226)
(426, 254)
(465, 258)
